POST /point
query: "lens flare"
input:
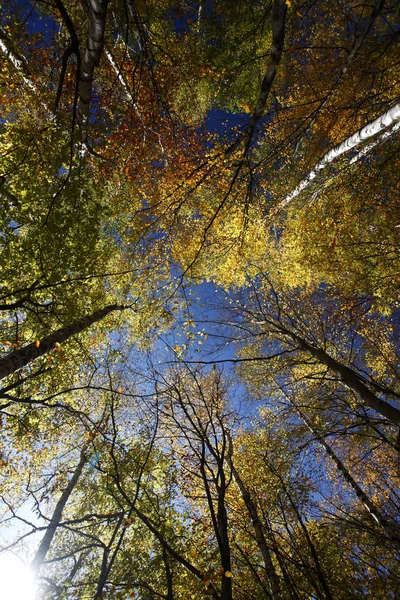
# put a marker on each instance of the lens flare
(16, 579)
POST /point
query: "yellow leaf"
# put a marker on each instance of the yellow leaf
(228, 574)
(37, 343)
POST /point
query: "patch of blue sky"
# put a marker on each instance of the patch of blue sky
(62, 171)
(14, 226)
(35, 21)
(200, 341)
(225, 124)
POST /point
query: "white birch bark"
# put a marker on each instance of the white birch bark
(19, 64)
(382, 138)
(387, 119)
(130, 96)
(360, 154)
(119, 75)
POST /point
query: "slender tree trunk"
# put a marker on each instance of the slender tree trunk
(166, 546)
(318, 567)
(119, 74)
(20, 65)
(18, 62)
(168, 574)
(279, 11)
(220, 523)
(272, 577)
(361, 495)
(377, 141)
(20, 358)
(55, 520)
(224, 547)
(107, 565)
(77, 565)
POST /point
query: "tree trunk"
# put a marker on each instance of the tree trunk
(361, 495)
(313, 551)
(168, 574)
(387, 119)
(272, 577)
(178, 557)
(224, 547)
(97, 10)
(348, 377)
(55, 520)
(279, 11)
(20, 358)
(19, 64)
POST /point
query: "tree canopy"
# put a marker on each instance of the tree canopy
(199, 298)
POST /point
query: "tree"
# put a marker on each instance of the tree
(154, 474)
(20, 358)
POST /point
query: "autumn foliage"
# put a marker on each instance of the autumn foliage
(199, 298)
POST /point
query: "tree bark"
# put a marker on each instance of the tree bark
(279, 11)
(19, 63)
(348, 377)
(20, 358)
(224, 546)
(168, 574)
(166, 546)
(361, 495)
(272, 577)
(318, 567)
(97, 10)
(387, 119)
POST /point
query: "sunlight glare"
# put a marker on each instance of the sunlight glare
(16, 579)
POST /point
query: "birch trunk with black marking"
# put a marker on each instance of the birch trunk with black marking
(387, 119)
(97, 11)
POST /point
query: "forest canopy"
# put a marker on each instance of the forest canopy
(199, 299)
